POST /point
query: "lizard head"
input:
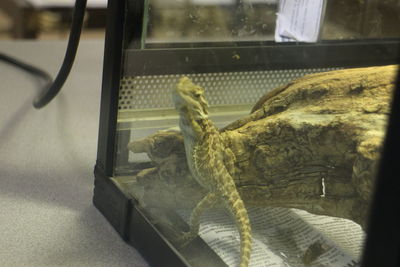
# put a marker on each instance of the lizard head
(189, 98)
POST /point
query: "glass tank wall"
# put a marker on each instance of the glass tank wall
(217, 129)
(177, 21)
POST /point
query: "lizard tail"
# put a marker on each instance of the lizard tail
(236, 205)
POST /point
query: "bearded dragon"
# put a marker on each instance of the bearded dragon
(210, 162)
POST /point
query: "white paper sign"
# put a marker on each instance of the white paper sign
(299, 20)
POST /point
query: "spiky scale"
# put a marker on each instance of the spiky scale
(210, 163)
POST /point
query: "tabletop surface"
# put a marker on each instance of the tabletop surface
(46, 164)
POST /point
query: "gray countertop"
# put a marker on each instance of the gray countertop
(46, 165)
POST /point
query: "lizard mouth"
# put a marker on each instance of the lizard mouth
(190, 106)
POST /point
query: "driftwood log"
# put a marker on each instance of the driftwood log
(313, 144)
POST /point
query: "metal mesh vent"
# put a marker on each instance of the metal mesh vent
(146, 92)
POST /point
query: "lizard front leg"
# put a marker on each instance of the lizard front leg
(207, 202)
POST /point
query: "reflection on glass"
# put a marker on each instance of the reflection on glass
(360, 19)
(209, 20)
(176, 21)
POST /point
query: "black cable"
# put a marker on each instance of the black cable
(77, 21)
(50, 88)
(41, 74)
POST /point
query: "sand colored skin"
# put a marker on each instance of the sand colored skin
(210, 162)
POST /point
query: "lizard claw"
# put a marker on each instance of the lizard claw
(186, 238)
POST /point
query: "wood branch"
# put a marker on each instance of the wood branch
(313, 144)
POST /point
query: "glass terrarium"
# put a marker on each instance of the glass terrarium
(246, 133)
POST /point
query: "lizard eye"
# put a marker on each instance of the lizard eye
(197, 95)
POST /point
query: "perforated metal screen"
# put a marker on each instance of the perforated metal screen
(147, 92)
